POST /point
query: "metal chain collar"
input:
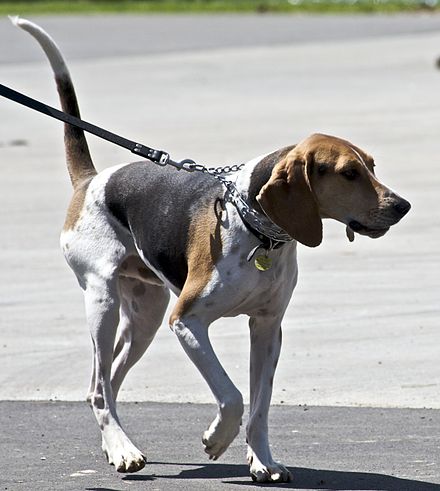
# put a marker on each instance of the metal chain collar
(258, 221)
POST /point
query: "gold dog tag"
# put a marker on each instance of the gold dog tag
(263, 263)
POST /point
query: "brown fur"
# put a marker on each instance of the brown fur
(203, 251)
(76, 205)
(134, 267)
(79, 161)
(287, 200)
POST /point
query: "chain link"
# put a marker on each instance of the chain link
(263, 225)
(191, 166)
(227, 169)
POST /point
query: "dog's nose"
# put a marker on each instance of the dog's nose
(402, 207)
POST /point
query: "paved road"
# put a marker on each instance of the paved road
(363, 326)
(109, 36)
(55, 447)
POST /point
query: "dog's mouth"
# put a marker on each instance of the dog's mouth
(372, 232)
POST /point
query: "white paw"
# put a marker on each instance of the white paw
(219, 436)
(124, 456)
(271, 472)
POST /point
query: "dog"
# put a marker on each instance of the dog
(137, 231)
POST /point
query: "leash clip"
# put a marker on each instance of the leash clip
(164, 158)
(190, 166)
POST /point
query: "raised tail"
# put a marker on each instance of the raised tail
(79, 161)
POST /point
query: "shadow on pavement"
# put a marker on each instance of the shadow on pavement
(102, 489)
(303, 478)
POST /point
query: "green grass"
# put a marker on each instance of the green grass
(24, 7)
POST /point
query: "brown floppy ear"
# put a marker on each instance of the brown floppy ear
(289, 202)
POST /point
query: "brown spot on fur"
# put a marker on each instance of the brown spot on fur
(149, 276)
(203, 251)
(98, 402)
(76, 204)
(235, 248)
(139, 290)
(144, 272)
(134, 306)
(134, 268)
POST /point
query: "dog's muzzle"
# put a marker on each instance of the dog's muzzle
(393, 214)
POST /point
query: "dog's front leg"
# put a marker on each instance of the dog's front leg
(265, 349)
(193, 336)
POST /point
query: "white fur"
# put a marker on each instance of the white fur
(49, 46)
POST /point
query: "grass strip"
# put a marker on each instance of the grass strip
(24, 7)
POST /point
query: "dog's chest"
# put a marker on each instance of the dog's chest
(239, 286)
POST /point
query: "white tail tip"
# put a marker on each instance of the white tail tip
(15, 19)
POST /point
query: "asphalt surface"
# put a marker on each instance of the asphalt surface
(110, 36)
(363, 328)
(50, 446)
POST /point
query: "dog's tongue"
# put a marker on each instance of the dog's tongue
(350, 234)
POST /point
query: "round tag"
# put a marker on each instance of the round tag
(263, 263)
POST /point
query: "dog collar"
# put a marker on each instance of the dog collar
(267, 232)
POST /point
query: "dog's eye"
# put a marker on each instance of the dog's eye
(322, 169)
(350, 174)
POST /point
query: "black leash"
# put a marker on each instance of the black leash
(157, 156)
(270, 235)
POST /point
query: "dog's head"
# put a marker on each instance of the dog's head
(326, 177)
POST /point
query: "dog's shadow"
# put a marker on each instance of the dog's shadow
(303, 478)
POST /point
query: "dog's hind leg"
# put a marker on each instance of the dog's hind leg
(143, 306)
(98, 275)
(102, 310)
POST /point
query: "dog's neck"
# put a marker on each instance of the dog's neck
(256, 173)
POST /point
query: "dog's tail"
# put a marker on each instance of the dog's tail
(79, 161)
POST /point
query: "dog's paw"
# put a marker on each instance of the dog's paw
(219, 436)
(125, 457)
(272, 472)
